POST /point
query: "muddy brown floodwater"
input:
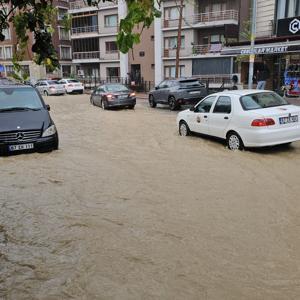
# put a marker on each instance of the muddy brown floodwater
(127, 209)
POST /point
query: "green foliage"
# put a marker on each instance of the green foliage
(38, 17)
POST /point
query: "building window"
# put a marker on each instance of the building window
(9, 70)
(6, 33)
(1, 53)
(111, 47)
(65, 52)
(288, 9)
(171, 42)
(111, 21)
(61, 13)
(8, 52)
(152, 66)
(66, 71)
(152, 38)
(142, 53)
(64, 35)
(25, 71)
(171, 13)
(170, 71)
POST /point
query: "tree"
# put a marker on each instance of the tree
(36, 17)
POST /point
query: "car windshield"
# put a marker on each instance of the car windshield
(116, 88)
(188, 84)
(262, 100)
(27, 98)
(52, 82)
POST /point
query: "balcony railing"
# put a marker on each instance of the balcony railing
(195, 50)
(83, 4)
(214, 16)
(85, 29)
(86, 55)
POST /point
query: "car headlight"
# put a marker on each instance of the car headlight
(49, 131)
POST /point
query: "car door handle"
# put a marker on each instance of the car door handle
(205, 117)
(226, 118)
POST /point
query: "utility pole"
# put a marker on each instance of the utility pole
(179, 39)
(252, 55)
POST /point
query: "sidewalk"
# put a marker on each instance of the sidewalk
(143, 96)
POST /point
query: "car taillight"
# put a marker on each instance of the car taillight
(132, 95)
(263, 122)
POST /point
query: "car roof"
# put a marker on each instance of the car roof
(240, 92)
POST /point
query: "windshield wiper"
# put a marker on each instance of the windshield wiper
(19, 109)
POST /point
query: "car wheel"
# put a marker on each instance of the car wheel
(103, 104)
(172, 103)
(234, 141)
(152, 102)
(92, 101)
(46, 93)
(184, 129)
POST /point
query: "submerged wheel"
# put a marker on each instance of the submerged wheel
(152, 102)
(234, 141)
(184, 129)
(46, 93)
(172, 103)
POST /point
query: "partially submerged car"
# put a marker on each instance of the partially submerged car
(113, 95)
(177, 92)
(244, 118)
(25, 122)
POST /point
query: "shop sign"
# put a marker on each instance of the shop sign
(265, 50)
(288, 27)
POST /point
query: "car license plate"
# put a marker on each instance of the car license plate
(289, 119)
(195, 92)
(122, 96)
(20, 147)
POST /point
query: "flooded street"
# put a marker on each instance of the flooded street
(127, 209)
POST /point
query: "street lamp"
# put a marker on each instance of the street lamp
(252, 55)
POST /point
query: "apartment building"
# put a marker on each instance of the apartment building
(95, 53)
(277, 40)
(61, 40)
(207, 26)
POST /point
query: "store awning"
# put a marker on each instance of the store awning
(262, 49)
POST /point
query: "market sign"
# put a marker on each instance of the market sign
(288, 27)
(261, 50)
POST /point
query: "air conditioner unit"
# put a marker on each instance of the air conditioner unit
(80, 73)
(238, 76)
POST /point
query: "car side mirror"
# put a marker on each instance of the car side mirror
(193, 108)
(157, 87)
(48, 107)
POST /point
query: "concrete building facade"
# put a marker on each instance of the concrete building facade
(206, 28)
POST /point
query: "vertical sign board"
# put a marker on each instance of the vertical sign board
(288, 27)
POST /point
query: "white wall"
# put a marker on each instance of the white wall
(264, 17)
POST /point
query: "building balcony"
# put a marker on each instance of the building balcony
(82, 5)
(210, 19)
(111, 55)
(195, 50)
(86, 30)
(88, 56)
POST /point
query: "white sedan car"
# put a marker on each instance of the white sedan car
(72, 85)
(245, 118)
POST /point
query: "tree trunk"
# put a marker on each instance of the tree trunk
(179, 39)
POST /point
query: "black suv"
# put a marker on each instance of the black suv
(177, 92)
(25, 123)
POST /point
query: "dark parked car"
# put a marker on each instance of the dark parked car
(113, 95)
(25, 123)
(177, 92)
